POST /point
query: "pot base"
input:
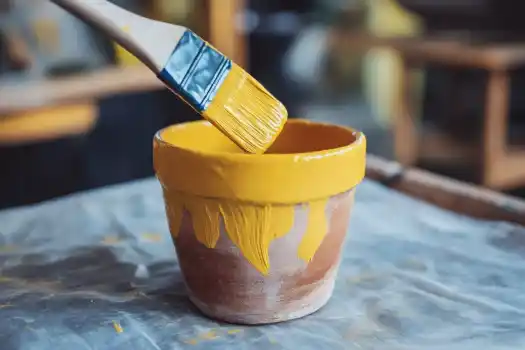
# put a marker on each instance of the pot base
(301, 308)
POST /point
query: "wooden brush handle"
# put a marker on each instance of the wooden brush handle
(114, 21)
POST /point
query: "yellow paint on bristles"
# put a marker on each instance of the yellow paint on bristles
(246, 112)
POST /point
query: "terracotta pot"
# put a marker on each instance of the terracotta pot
(259, 237)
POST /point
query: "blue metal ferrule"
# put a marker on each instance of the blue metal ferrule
(195, 71)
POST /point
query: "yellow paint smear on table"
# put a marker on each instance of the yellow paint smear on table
(209, 335)
(191, 341)
(111, 240)
(118, 327)
(251, 227)
(245, 111)
(152, 237)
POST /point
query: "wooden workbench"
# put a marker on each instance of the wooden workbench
(502, 167)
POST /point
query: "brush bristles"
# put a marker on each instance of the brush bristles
(246, 112)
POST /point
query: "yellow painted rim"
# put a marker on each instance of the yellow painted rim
(308, 161)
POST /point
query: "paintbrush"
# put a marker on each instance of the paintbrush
(218, 89)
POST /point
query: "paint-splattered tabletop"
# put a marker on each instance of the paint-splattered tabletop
(98, 271)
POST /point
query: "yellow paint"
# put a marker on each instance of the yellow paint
(111, 240)
(174, 211)
(316, 230)
(384, 66)
(205, 219)
(309, 161)
(264, 222)
(204, 173)
(235, 331)
(246, 112)
(152, 237)
(252, 228)
(191, 341)
(47, 34)
(118, 327)
(272, 340)
(124, 57)
(208, 335)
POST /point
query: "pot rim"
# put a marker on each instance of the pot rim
(293, 177)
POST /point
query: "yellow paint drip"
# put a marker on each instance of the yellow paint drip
(316, 230)
(205, 218)
(175, 211)
(246, 112)
(251, 227)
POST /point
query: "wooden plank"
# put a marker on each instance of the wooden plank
(447, 193)
(454, 52)
(495, 128)
(406, 137)
(24, 96)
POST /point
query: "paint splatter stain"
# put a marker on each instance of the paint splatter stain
(211, 335)
(111, 240)
(208, 335)
(272, 340)
(3, 306)
(152, 237)
(191, 341)
(118, 327)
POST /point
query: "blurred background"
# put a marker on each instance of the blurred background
(432, 83)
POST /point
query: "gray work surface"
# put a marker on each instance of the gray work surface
(73, 276)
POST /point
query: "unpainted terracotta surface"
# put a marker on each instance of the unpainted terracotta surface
(223, 285)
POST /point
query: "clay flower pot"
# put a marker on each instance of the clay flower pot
(259, 237)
